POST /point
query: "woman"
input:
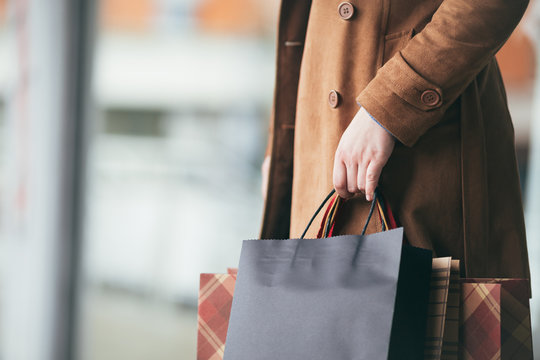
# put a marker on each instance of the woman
(406, 95)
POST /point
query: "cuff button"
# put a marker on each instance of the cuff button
(430, 98)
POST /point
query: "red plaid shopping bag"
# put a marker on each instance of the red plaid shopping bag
(513, 334)
(480, 330)
(215, 300)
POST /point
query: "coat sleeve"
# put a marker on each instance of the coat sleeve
(411, 91)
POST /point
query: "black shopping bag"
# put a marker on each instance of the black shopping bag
(337, 298)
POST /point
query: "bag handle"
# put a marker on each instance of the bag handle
(317, 212)
(391, 218)
(331, 211)
(328, 222)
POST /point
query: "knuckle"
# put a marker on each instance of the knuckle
(382, 155)
(375, 154)
(342, 192)
(357, 154)
(349, 164)
(371, 177)
(349, 158)
(361, 186)
(339, 184)
(340, 153)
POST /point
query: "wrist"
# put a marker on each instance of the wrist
(371, 117)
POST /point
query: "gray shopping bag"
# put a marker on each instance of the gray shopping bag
(339, 298)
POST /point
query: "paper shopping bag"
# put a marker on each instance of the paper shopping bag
(450, 348)
(342, 297)
(480, 330)
(215, 299)
(438, 298)
(514, 334)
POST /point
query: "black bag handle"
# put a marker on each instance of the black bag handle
(373, 202)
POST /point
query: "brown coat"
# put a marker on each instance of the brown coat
(425, 69)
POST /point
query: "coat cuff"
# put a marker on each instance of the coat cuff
(402, 101)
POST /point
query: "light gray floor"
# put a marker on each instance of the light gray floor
(120, 325)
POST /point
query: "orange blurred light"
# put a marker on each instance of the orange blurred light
(231, 16)
(127, 14)
(517, 60)
(3, 11)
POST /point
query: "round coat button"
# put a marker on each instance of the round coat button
(346, 10)
(430, 97)
(333, 98)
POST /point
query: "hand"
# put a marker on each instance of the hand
(265, 168)
(363, 150)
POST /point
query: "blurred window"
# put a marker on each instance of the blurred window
(182, 90)
(134, 122)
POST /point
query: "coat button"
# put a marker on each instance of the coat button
(346, 10)
(430, 97)
(333, 98)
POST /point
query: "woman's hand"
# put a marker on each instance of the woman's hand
(363, 150)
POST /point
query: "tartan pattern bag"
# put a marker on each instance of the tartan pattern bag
(515, 322)
(214, 309)
(466, 320)
(450, 348)
(480, 330)
(438, 296)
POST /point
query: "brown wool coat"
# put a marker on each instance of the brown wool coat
(425, 69)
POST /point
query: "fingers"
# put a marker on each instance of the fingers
(373, 172)
(361, 179)
(340, 179)
(365, 147)
(352, 171)
(358, 171)
(350, 180)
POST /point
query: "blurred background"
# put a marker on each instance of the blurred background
(132, 134)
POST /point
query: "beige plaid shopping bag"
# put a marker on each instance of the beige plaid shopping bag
(450, 347)
(438, 296)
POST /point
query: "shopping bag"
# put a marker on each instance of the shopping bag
(438, 298)
(214, 308)
(450, 348)
(486, 302)
(441, 338)
(341, 298)
(480, 330)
